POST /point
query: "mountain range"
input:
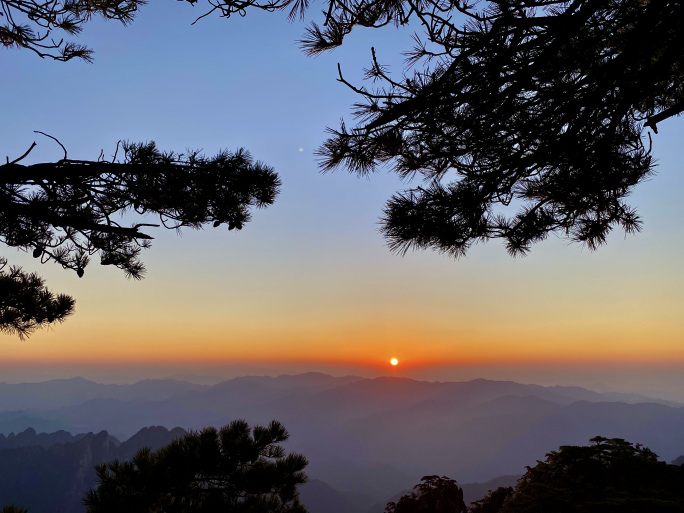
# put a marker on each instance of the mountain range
(50, 473)
(366, 439)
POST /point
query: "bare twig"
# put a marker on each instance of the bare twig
(54, 139)
(33, 145)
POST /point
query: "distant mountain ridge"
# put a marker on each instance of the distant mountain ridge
(56, 393)
(371, 437)
(29, 438)
(63, 392)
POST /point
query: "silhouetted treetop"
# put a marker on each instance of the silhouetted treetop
(492, 502)
(434, 494)
(69, 210)
(611, 475)
(32, 24)
(234, 470)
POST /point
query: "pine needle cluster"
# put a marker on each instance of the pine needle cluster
(71, 210)
(39, 26)
(235, 469)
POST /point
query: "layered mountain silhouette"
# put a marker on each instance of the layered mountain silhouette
(63, 392)
(52, 472)
(365, 438)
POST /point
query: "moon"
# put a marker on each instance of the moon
(394, 361)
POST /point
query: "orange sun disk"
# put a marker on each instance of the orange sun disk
(394, 361)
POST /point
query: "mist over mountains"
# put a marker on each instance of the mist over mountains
(366, 439)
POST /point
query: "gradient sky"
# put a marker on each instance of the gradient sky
(309, 284)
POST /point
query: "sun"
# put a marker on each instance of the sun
(394, 361)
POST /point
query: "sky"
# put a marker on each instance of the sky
(309, 284)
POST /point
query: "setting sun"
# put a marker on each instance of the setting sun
(394, 361)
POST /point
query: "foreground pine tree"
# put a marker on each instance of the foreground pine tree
(608, 476)
(233, 470)
(71, 210)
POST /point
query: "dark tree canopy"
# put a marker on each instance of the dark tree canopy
(609, 476)
(527, 117)
(10, 508)
(493, 502)
(70, 210)
(231, 470)
(433, 494)
(32, 24)
(523, 117)
(26, 304)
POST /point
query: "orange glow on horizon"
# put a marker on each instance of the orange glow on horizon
(353, 345)
(409, 363)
